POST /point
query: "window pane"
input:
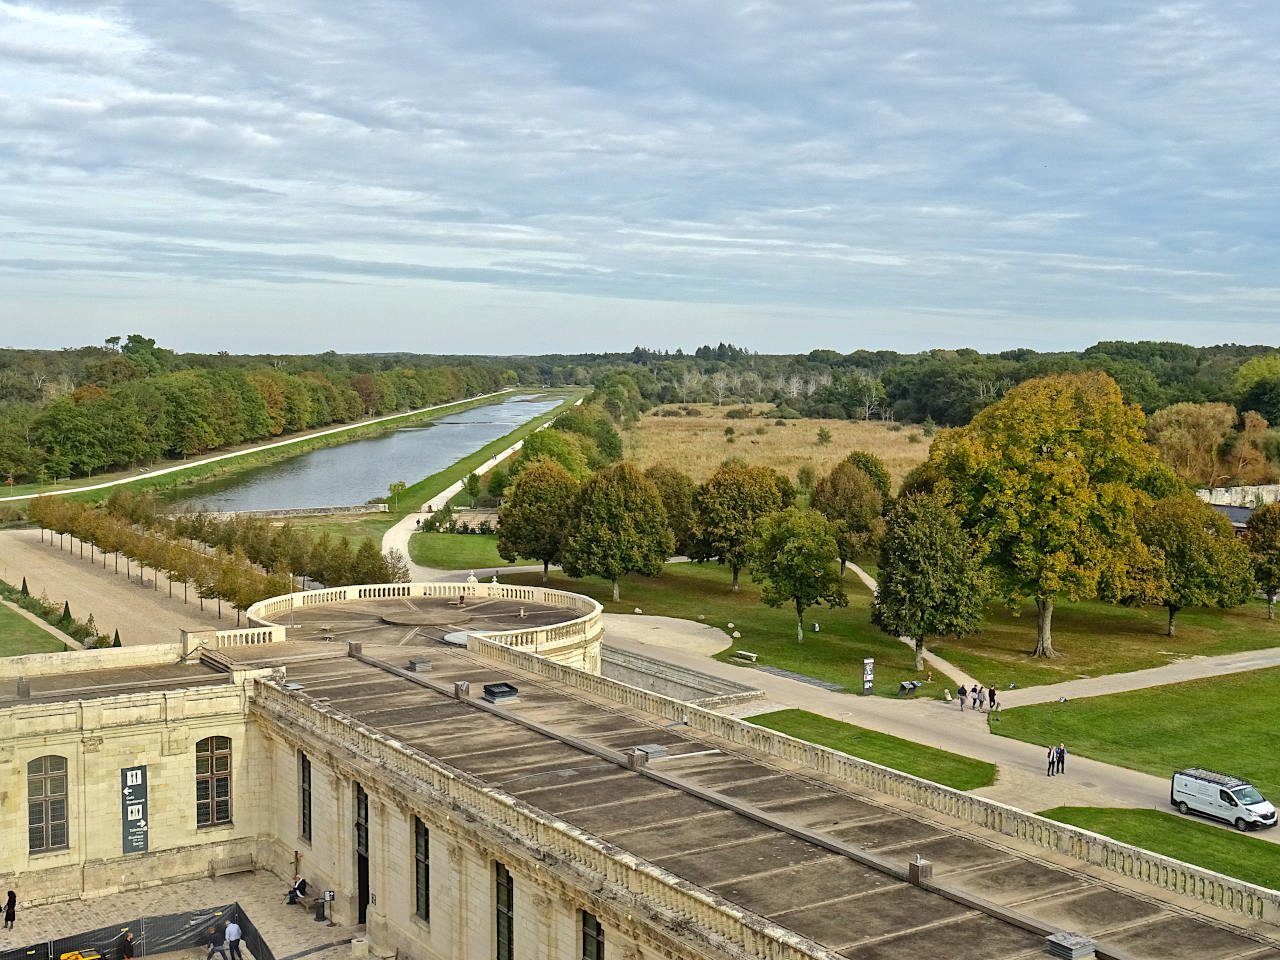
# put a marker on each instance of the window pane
(58, 835)
(221, 743)
(202, 814)
(57, 786)
(57, 764)
(222, 811)
(202, 790)
(202, 766)
(35, 838)
(221, 764)
(35, 788)
(35, 767)
(221, 787)
(203, 746)
(58, 809)
(35, 814)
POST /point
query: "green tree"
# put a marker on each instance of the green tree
(368, 565)
(531, 522)
(1262, 537)
(824, 436)
(472, 487)
(931, 583)
(677, 491)
(794, 559)
(397, 566)
(874, 468)
(1046, 481)
(848, 498)
(496, 486)
(394, 489)
(617, 526)
(727, 507)
(1203, 564)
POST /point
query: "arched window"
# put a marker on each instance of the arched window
(213, 781)
(47, 804)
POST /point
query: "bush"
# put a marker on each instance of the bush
(828, 411)
(462, 527)
(779, 423)
(668, 412)
(692, 412)
(484, 527)
(728, 432)
(916, 438)
(895, 427)
(824, 436)
(783, 412)
(738, 413)
(929, 427)
(761, 429)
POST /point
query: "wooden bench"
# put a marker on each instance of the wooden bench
(224, 868)
(746, 655)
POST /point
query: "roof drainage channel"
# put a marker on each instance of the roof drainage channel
(892, 868)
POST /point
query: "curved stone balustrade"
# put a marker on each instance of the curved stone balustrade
(575, 642)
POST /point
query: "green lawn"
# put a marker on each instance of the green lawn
(457, 551)
(1096, 638)
(1223, 851)
(18, 635)
(354, 527)
(1224, 723)
(693, 591)
(940, 766)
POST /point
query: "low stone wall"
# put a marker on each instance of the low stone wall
(303, 511)
(1182, 879)
(73, 661)
(1252, 496)
(669, 680)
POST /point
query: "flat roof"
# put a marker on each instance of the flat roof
(95, 684)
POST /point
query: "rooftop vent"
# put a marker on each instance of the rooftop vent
(1071, 946)
(501, 692)
(420, 664)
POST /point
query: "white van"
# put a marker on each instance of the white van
(1222, 797)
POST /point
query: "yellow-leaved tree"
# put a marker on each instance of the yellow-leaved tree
(1047, 480)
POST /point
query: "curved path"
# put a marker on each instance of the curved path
(240, 453)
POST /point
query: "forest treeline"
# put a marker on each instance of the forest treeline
(75, 413)
(127, 402)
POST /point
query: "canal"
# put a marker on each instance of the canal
(356, 472)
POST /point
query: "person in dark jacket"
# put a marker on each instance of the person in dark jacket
(1060, 758)
(10, 910)
(961, 694)
(1053, 761)
(126, 946)
(991, 698)
(217, 943)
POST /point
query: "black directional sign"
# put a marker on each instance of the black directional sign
(133, 809)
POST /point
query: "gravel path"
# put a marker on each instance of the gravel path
(141, 614)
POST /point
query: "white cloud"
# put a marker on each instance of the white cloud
(1001, 175)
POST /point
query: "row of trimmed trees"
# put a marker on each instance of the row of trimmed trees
(240, 560)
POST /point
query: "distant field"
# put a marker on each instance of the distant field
(697, 445)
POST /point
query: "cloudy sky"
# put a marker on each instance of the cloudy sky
(559, 175)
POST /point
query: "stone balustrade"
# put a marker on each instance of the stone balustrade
(576, 634)
(554, 839)
(1182, 879)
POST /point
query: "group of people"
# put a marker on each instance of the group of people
(1057, 760)
(226, 942)
(980, 697)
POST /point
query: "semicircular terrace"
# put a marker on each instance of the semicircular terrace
(562, 626)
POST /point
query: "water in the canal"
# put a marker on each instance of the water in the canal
(355, 472)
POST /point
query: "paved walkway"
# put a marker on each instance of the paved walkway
(240, 453)
(141, 614)
(1021, 779)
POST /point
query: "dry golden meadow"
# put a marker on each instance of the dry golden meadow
(697, 445)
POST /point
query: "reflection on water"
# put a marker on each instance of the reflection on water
(355, 472)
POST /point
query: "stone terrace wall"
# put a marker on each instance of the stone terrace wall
(1183, 879)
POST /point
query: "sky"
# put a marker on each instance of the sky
(577, 175)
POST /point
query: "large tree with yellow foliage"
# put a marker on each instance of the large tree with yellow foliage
(1047, 481)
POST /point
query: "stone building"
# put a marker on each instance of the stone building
(485, 796)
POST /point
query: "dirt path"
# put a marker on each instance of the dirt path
(141, 614)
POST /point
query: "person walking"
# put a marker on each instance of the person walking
(126, 946)
(10, 910)
(962, 694)
(1062, 758)
(216, 943)
(982, 697)
(1053, 760)
(974, 693)
(991, 698)
(233, 939)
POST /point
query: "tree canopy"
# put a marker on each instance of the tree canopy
(793, 557)
(1046, 480)
(728, 505)
(531, 522)
(617, 526)
(1262, 537)
(851, 501)
(931, 583)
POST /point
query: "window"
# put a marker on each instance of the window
(421, 869)
(47, 804)
(504, 890)
(592, 937)
(304, 796)
(213, 781)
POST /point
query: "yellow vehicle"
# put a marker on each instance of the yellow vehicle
(81, 955)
